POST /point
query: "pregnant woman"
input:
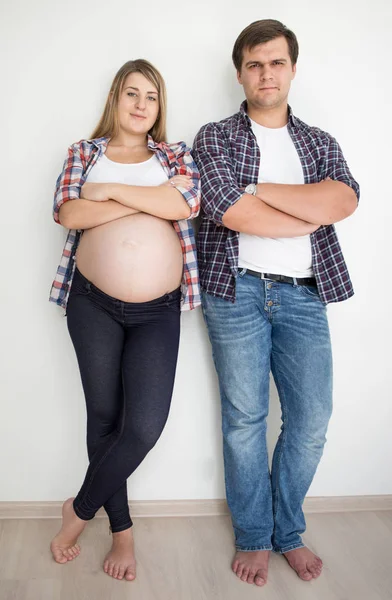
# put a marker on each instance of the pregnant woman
(128, 268)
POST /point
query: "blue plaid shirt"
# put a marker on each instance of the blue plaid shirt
(228, 158)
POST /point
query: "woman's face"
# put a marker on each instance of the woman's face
(138, 104)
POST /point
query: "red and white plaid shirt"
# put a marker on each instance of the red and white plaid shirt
(175, 159)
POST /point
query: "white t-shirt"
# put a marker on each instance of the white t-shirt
(279, 163)
(149, 172)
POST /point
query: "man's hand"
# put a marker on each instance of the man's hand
(97, 192)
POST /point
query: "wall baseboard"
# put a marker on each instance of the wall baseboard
(196, 508)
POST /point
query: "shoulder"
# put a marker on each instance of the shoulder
(322, 137)
(85, 147)
(176, 148)
(215, 130)
(176, 151)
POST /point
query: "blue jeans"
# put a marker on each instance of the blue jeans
(281, 328)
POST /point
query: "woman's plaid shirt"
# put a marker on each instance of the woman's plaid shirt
(228, 158)
(175, 159)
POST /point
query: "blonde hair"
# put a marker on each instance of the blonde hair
(108, 125)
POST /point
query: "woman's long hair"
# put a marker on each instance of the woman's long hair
(108, 125)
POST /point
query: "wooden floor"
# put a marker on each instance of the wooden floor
(189, 559)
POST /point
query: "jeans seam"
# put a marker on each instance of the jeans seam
(284, 435)
(254, 548)
(123, 527)
(116, 441)
(289, 548)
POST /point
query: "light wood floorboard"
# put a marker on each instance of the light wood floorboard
(188, 558)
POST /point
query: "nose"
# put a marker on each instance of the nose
(141, 103)
(266, 74)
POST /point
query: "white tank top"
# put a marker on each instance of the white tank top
(149, 172)
(279, 163)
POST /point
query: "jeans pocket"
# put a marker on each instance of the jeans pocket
(309, 290)
(173, 300)
(80, 288)
(241, 272)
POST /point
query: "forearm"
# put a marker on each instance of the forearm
(319, 203)
(252, 216)
(85, 214)
(161, 201)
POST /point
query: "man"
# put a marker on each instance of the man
(270, 262)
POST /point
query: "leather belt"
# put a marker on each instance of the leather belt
(283, 278)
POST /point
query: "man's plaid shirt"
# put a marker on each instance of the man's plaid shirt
(228, 158)
(175, 159)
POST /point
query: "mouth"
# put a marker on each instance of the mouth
(140, 117)
(268, 89)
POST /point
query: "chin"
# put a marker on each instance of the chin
(137, 130)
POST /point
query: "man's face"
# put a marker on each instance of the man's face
(266, 74)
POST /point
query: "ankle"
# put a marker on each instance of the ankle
(126, 534)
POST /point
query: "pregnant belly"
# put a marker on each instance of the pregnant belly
(134, 259)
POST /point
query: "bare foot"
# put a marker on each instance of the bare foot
(307, 565)
(252, 567)
(64, 546)
(120, 561)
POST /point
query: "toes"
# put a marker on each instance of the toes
(240, 570)
(59, 557)
(261, 578)
(115, 571)
(305, 575)
(251, 576)
(245, 574)
(315, 570)
(234, 566)
(106, 566)
(110, 569)
(130, 575)
(121, 572)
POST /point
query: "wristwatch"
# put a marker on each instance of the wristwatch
(251, 189)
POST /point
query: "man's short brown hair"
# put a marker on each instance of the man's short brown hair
(261, 32)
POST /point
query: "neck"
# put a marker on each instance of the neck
(273, 117)
(129, 140)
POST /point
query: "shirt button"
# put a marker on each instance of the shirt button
(270, 303)
(269, 286)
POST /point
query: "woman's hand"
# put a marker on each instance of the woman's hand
(98, 192)
(180, 181)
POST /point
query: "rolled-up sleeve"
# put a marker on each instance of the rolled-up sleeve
(337, 167)
(219, 186)
(185, 165)
(69, 182)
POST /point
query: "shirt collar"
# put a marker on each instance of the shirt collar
(102, 142)
(243, 111)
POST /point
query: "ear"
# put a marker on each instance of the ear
(294, 72)
(239, 77)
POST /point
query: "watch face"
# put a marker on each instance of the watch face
(250, 189)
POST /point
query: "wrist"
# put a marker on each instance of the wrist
(261, 188)
(113, 191)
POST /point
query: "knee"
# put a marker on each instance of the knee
(100, 424)
(144, 435)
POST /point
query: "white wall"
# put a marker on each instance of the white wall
(58, 61)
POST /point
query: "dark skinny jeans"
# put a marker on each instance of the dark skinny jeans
(127, 355)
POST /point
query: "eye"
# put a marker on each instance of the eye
(277, 62)
(131, 94)
(152, 98)
(254, 65)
